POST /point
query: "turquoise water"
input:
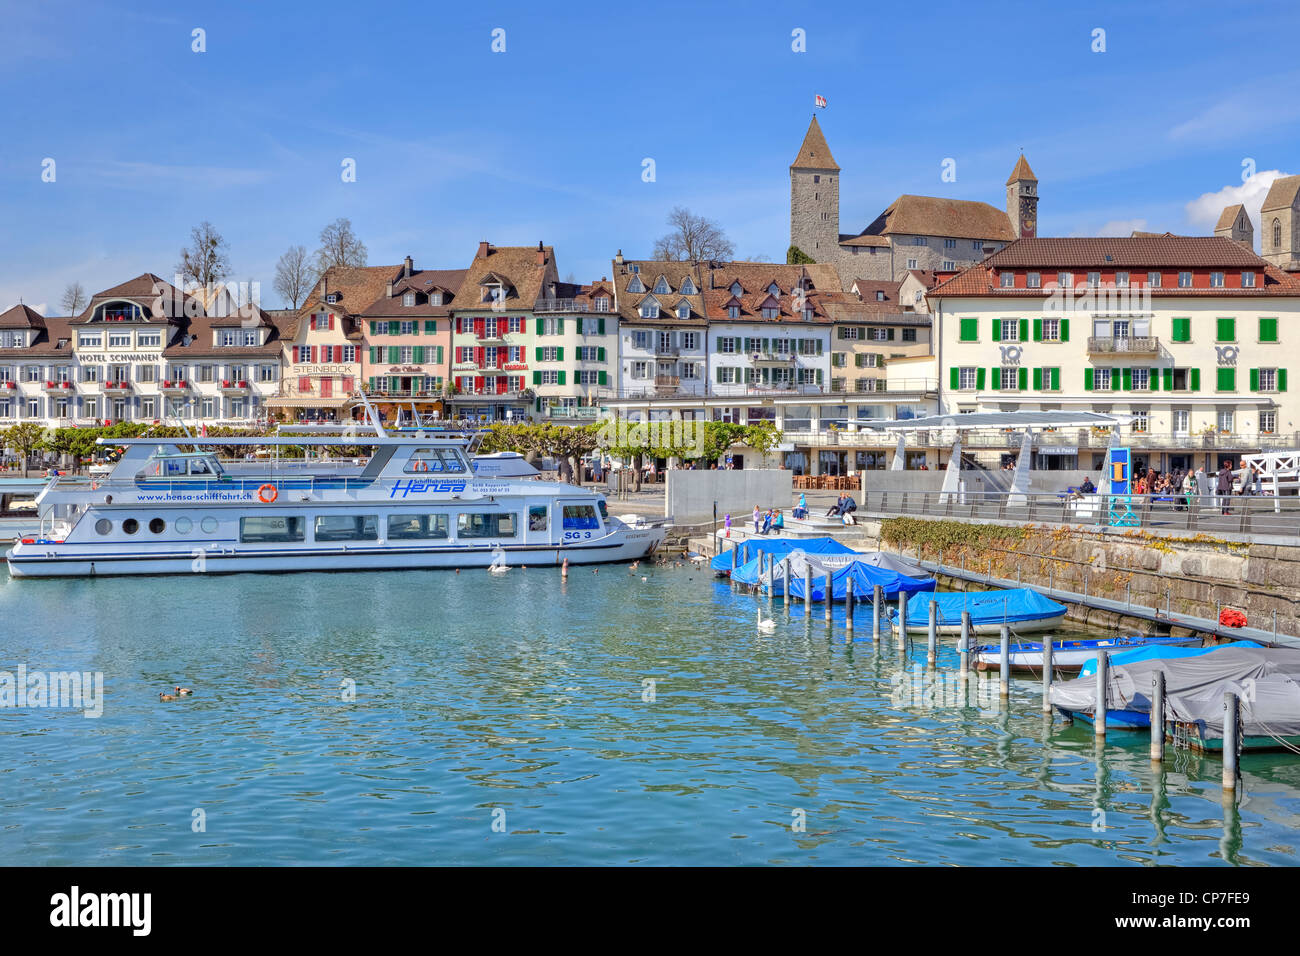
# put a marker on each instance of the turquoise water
(477, 694)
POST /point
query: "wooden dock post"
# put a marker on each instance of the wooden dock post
(807, 588)
(848, 607)
(828, 597)
(1158, 717)
(965, 645)
(1004, 669)
(932, 633)
(1047, 675)
(1231, 739)
(785, 584)
(1103, 678)
(902, 618)
(877, 599)
(771, 580)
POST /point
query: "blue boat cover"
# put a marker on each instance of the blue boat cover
(865, 577)
(1157, 652)
(986, 607)
(779, 547)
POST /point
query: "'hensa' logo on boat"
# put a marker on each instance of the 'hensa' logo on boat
(419, 486)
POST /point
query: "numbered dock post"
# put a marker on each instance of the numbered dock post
(932, 633)
(965, 645)
(877, 599)
(735, 546)
(1158, 716)
(1231, 739)
(902, 618)
(785, 584)
(771, 579)
(829, 595)
(1047, 674)
(848, 605)
(1099, 709)
(807, 588)
(1004, 669)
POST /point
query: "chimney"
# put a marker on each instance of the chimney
(390, 288)
(618, 259)
(541, 254)
(407, 270)
(483, 248)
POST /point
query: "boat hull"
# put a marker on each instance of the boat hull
(1069, 655)
(989, 627)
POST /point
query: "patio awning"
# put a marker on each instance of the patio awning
(306, 401)
(996, 420)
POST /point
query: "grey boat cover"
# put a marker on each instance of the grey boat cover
(1265, 679)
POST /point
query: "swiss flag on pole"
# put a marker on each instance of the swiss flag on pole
(820, 101)
(203, 430)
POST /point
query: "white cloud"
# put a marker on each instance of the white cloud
(1122, 227)
(1204, 210)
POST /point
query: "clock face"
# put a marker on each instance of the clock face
(1028, 227)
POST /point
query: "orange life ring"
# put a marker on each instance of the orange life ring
(267, 494)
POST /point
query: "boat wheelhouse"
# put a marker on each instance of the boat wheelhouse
(182, 506)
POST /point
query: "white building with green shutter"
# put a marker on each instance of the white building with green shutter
(1189, 339)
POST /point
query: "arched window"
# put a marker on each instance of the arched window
(1277, 233)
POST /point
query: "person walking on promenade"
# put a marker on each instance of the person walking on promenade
(1224, 487)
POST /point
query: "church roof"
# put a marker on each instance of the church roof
(814, 153)
(937, 216)
(1228, 217)
(1282, 194)
(1022, 171)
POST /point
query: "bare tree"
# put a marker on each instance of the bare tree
(693, 238)
(294, 276)
(74, 299)
(206, 260)
(339, 246)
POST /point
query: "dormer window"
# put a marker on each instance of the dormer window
(774, 289)
(880, 296)
(650, 309)
(408, 299)
(733, 311)
(737, 289)
(602, 303)
(636, 286)
(683, 310)
(435, 298)
(332, 298)
(661, 287)
(688, 287)
(808, 313)
(770, 312)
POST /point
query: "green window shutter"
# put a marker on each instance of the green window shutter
(559, 326)
(1281, 380)
(969, 330)
(440, 355)
(419, 355)
(1038, 379)
(1196, 379)
(539, 327)
(1038, 330)
(1128, 379)
(374, 357)
(600, 377)
(372, 383)
(1225, 330)
(394, 384)
(538, 351)
(1065, 330)
(600, 355)
(394, 355)
(1254, 380)
(394, 328)
(1153, 379)
(954, 377)
(1168, 375)
(537, 378)
(1116, 379)
(430, 326)
(1182, 330)
(1226, 381)
(889, 337)
(979, 378)
(377, 328)
(561, 378)
(749, 375)
(1024, 330)
(995, 379)
(819, 376)
(600, 326)
(997, 330)
(1087, 380)
(1268, 330)
(1055, 385)
(559, 354)
(718, 374)
(1023, 378)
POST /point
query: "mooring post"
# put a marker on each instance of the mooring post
(877, 599)
(1128, 595)
(932, 633)
(965, 645)
(829, 595)
(735, 546)
(1004, 669)
(785, 584)
(771, 577)
(1274, 625)
(1169, 591)
(1051, 578)
(902, 618)
(1231, 739)
(1099, 709)
(848, 607)
(807, 588)
(1047, 674)
(1085, 583)
(1158, 716)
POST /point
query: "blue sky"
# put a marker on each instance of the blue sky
(454, 143)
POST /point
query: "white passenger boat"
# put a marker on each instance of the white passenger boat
(416, 503)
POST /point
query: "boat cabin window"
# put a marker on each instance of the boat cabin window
(424, 460)
(271, 528)
(539, 518)
(604, 509)
(491, 524)
(347, 528)
(179, 467)
(407, 527)
(580, 517)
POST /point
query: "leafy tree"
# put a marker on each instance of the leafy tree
(795, 256)
(25, 438)
(339, 246)
(293, 276)
(206, 260)
(693, 239)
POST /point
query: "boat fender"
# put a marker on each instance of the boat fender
(267, 494)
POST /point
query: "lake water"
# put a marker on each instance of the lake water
(519, 719)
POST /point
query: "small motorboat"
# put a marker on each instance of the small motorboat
(1068, 655)
(1023, 609)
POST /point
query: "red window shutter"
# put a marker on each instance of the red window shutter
(347, 384)
(501, 358)
(501, 385)
(304, 383)
(480, 330)
(313, 354)
(480, 355)
(331, 322)
(338, 353)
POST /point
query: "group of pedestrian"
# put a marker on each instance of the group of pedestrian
(843, 509)
(770, 520)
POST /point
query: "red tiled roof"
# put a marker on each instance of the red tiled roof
(939, 216)
(814, 153)
(21, 317)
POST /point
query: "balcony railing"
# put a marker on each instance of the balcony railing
(667, 351)
(561, 305)
(59, 386)
(582, 412)
(177, 385)
(772, 358)
(919, 388)
(119, 384)
(234, 385)
(1123, 345)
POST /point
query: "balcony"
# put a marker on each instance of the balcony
(234, 386)
(59, 387)
(8, 386)
(118, 385)
(1124, 345)
(175, 386)
(772, 359)
(580, 413)
(561, 305)
(667, 351)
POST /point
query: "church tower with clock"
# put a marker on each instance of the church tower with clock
(1022, 200)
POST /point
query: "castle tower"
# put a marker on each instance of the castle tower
(1234, 224)
(1022, 200)
(1279, 222)
(815, 198)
